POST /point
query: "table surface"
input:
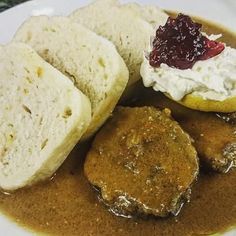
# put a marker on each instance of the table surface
(6, 4)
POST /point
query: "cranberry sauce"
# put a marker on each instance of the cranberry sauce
(180, 43)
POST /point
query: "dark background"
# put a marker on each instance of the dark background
(5, 4)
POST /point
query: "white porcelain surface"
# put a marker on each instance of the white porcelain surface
(221, 11)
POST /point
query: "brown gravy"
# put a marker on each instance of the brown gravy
(67, 205)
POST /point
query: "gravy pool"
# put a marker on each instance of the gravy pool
(67, 205)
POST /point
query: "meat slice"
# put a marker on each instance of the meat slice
(214, 134)
(142, 162)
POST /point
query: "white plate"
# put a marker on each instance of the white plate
(216, 10)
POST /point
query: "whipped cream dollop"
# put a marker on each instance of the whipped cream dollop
(212, 79)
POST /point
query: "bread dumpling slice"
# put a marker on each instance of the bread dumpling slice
(90, 61)
(150, 13)
(129, 32)
(42, 117)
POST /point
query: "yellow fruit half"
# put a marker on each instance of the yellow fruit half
(200, 104)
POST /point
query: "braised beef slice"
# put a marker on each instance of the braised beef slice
(142, 162)
(214, 134)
